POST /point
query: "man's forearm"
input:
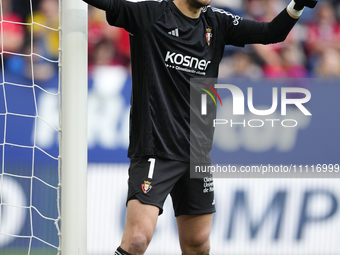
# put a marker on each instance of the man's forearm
(101, 4)
(279, 27)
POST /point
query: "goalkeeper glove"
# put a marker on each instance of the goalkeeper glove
(300, 4)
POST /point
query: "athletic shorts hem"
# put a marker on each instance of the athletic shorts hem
(137, 196)
(200, 212)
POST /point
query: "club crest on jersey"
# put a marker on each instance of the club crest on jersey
(146, 187)
(208, 35)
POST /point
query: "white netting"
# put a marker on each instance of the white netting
(29, 88)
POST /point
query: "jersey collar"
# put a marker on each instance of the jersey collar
(179, 13)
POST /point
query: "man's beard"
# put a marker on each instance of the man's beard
(198, 3)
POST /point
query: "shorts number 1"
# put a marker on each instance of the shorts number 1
(152, 167)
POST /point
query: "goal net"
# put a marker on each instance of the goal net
(30, 127)
(29, 178)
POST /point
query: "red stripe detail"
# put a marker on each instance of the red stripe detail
(213, 90)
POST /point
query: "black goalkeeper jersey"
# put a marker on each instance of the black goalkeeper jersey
(167, 50)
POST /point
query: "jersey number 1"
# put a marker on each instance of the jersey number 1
(152, 167)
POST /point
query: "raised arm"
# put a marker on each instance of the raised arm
(250, 31)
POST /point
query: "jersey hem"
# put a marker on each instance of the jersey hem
(207, 160)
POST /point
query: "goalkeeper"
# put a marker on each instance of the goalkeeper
(171, 42)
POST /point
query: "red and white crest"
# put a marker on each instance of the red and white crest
(208, 35)
(146, 186)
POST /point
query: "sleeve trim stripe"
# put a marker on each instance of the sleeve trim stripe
(235, 18)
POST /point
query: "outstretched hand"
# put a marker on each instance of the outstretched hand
(299, 4)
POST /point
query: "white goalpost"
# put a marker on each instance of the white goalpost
(73, 149)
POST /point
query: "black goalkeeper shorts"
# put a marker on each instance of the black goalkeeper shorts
(152, 179)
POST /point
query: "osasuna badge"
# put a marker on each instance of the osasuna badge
(208, 35)
(146, 187)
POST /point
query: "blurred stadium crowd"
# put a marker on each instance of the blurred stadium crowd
(311, 50)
